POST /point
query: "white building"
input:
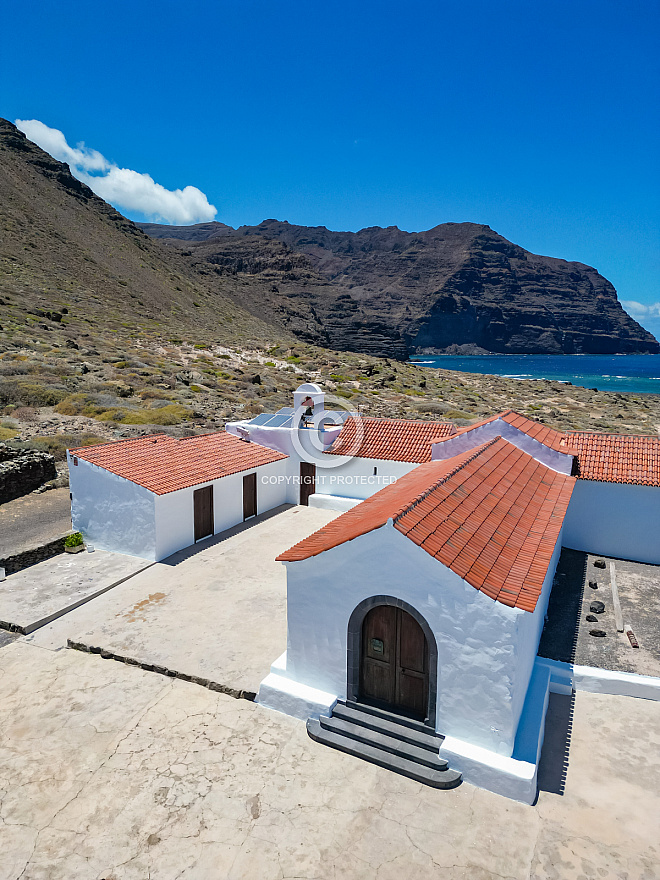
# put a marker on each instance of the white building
(152, 496)
(414, 618)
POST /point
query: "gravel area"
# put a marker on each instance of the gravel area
(579, 584)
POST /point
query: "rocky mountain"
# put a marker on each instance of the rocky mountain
(457, 288)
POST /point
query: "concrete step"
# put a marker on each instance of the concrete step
(420, 726)
(390, 744)
(443, 779)
(389, 724)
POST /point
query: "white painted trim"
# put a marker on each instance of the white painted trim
(485, 769)
(561, 462)
(565, 677)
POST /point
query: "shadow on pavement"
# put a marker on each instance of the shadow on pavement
(560, 633)
(205, 543)
(553, 765)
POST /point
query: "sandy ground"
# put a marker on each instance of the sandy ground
(107, 771)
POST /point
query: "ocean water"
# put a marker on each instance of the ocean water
(639, 373)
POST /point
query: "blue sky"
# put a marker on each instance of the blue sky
(540, 120)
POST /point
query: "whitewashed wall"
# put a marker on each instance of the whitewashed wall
(356, 479)
(486, 650)
(112, 513)
(614, 519)
(558, 461)
(175, 512)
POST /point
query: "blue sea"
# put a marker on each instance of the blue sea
(639, 373)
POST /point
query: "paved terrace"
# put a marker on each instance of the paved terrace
(111, 771)
(108, 771)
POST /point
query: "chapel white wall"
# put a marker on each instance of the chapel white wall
(112, 513)
(356, 479)
(485, 653)
(175, 527)
(614, 519)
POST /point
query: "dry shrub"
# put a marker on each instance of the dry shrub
(25, 414)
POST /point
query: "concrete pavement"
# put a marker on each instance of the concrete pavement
(40, 593)
(107, 771)
(216, 611)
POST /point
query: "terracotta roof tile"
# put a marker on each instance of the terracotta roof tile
(163, 464)
(617, 458)
(493, 515)
(389, 439)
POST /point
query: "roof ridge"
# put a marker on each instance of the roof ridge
(614, 434)
(452, 473)
(387, 419)
(151, 437)
(205, 434)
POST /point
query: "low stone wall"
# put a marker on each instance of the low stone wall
(18, 561)
(23, 472)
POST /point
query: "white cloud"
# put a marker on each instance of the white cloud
(122, 187)
(641, 310)
(646, 314)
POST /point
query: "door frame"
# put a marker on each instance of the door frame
(354, 649)
(251, 480)
(305, 487)
(206, 491)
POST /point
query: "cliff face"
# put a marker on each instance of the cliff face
(459, 287)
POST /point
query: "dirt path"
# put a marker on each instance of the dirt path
(33, 520)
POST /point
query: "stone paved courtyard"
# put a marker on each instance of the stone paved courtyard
(108, 771)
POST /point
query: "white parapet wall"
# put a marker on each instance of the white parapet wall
(565, 677)
(558, 461)
(614, 519)
(333, 502)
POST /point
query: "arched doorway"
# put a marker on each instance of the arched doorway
(394, 661)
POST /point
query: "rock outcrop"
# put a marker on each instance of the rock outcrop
(23, 472)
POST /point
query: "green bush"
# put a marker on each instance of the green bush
(27, 394)
(74, 540)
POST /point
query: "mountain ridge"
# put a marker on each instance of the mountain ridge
(455, 288)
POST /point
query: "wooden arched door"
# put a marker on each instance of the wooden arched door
(394, 662)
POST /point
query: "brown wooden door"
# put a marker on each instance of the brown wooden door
(203, 512)
(307, 481)
(249, 496)
(394, 667)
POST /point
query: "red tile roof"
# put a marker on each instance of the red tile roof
(389, 439)
(163, 464)
(617, 458)
(492, 515)
(611, 458)
(550, 437)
